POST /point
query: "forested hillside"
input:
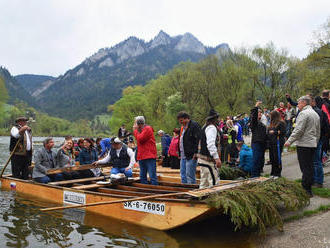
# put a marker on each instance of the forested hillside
(86, 90)
(32, 82)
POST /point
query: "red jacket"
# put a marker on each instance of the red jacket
(174, 147)
(146, 143)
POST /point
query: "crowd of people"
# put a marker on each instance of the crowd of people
(219, 141)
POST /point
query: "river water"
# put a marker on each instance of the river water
(23, 225)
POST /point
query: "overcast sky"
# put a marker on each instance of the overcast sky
(51, 36)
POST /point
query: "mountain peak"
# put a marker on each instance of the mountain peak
(161, 39)
(190, 43)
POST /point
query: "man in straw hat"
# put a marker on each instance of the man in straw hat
(209, 150)
(21, 160)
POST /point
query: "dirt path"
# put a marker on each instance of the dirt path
(308, 232)
(291, 169)
(311, 232)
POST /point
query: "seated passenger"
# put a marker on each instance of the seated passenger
(44, 160)
(88, 155)
(245, 157)
(65, 157)
(121, 157)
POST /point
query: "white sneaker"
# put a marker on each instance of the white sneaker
(104, 182)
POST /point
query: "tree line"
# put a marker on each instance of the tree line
(230, 83)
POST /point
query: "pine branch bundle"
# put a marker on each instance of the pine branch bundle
(257, 205)
(229, 173)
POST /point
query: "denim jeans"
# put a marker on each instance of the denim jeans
(258, 150)
(188, 170)
(288, 128)
(317, 164)
(116, 170)
(49, 178)
(148, 165)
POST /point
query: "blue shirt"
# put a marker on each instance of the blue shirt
(105, 146)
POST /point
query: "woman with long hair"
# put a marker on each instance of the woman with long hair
(66, 158)
(276, 137)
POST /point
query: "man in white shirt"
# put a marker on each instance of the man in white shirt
(21, 160)
(121, 157)
(209, 150)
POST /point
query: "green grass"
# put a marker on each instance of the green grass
(322, 192)
(307, 213)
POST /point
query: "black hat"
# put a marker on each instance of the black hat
(212, 114)
(21, 118)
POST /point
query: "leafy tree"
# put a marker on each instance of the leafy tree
(3, 98)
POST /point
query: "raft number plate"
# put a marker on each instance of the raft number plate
(74, 198)
(148, 207)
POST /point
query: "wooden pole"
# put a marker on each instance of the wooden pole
(116, 201)
(12, 153)
(76, 168)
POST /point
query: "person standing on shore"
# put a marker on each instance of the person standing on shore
(190, 136)
(306, 135)
(146, 150)
(21, 133)
(258, 142)
(276, 139)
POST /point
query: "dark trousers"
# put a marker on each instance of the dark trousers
(85, 173)
(258, 150)
(166, 161)
(305, 158)
(174, 162)
(275, 155)
(71, 175)
(20, 165)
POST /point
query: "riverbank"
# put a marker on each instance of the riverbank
(312, 231)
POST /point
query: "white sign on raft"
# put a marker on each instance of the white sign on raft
(73, 198)
(147, 207)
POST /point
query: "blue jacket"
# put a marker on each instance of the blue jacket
(105, 146)
(87, 157)
(166, 141)
(240, 132)
(245, 159)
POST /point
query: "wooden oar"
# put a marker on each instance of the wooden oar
(12, 153)
(113, 202)
(76, 168)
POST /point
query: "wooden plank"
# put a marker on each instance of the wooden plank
(146, 190)
(81, 180)
(191, 186)
(76, 168)
(122, 192)
(218, 188)
(88, 186)
(150, 186)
